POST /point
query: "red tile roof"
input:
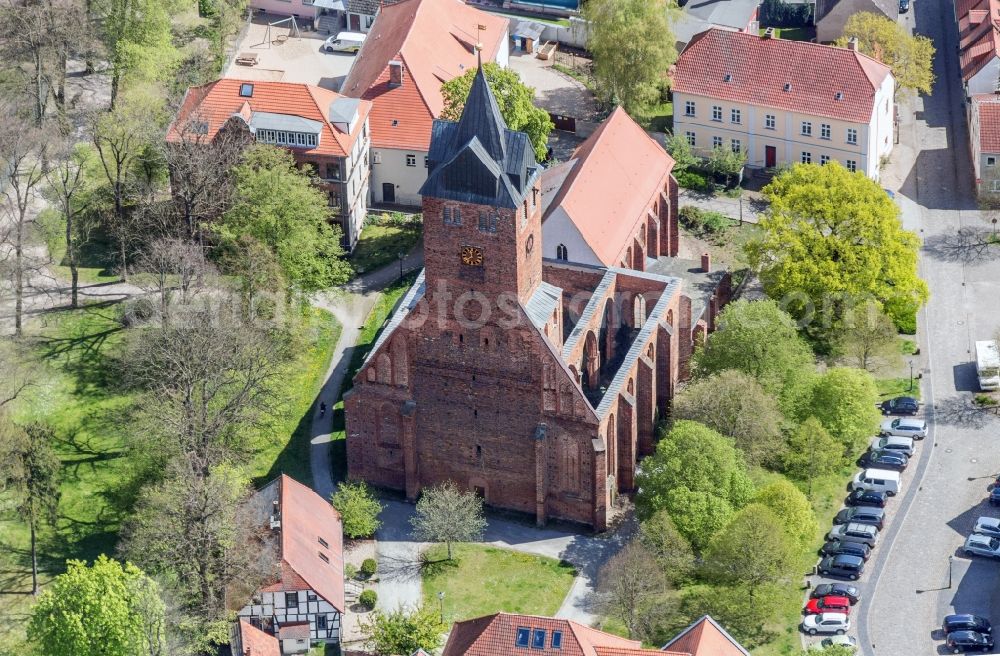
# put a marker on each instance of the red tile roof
(619, 169)
(216, 102)
(987, 108)
(978, 42)
(761, 68)
(306, 518)
(294, 631)
(435, 41)
(705, 637)
(257, 643)
(493, 635)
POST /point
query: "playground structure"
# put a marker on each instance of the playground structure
(280, 38)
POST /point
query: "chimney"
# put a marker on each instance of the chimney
(706, 262)
(395, 73)
(852, 44)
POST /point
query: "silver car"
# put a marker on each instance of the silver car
(854, 532)
(987, 526)
(982, 545)
(894, 444)
(905, 427)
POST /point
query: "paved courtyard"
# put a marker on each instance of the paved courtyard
(297, 59)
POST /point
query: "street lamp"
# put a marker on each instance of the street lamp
(910, 361)
(951, 559)
(441, 600)
(400, 256)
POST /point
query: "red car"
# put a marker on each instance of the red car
(828, 604)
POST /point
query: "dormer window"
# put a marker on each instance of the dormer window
(246, 90)
(728, 78)
(839, 95)
(788, 86)
(523, 637)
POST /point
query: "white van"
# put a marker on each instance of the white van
(345, 42)
(877, 480)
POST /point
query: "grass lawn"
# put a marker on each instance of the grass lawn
(889, 388)
(486, 579)
(658, 118)
(369, 332)
(380, 245)
(792, 33)
(78, 396)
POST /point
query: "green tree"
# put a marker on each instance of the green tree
(280, 206)
(726, 162)
(844, 401)
(868, 337)
(759, 339)
(734, 404)
(633, 46)
(698, 476)
(911, 57)
(753, 550)
(672, 551)
(446, 514)
(728, 606)
(514, 98)
(832, 237)
(108, 609)
(358, 508)
(792, 509)
(137, 36)
(29, 477)
(681, 151)
(812, 452)
(402, 632)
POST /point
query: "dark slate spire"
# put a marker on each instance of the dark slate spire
(481, 118)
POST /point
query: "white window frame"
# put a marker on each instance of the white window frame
(769, 121)
(690, 108)
(852, 165)
(311, 139)
(806, 157)
(691, 138)
(806, 129)
(825, 131)
(852, 136)
(736, 116)
(824, 159)
(736, 145)
(411, 159)
(717, 113)
(716, 142)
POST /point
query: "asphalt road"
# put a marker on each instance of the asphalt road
(910, 583)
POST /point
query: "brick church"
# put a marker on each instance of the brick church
(533, 373)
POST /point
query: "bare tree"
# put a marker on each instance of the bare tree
(446, 514)
(23, 149)
(66, 185)
(209, 377)
(18, 371)
(201, 173)
(258, 270)
(173, 264)
(869, 337)
(25, 37)
(629, 583)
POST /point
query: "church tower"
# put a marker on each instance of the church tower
(482, 205)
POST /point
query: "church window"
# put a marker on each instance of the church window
(561, 252)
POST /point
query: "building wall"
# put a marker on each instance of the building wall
(831, 27)
(559, 229)
(270, 606)
(985, 80)
(390, 166)
(301, 8)
(356, 186)
(786, 136)
(986, 166)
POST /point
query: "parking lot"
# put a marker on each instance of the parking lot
(283, 57)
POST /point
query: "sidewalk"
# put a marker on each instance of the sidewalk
(753, 204)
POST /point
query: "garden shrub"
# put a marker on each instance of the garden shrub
(369, 566)
(368, 598)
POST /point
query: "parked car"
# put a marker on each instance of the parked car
(828, 605)
(837, 547)
(966, 622)
(842, 640)
(837, 589)
(892, 460)
(878, 480)
(901, 405)
(345, 42)
(895, 443)
(960, 641)
(987, 526)
(994, 497)
(854, 532)
(861, 515)
(982, 545)
(849, 567)
(904, 6)
(837, 623)
(905, 427)
(866, 498)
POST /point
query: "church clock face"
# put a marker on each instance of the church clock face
(472, 256)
